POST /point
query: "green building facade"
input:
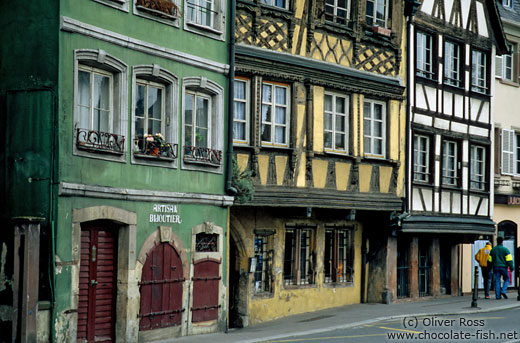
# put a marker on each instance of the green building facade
(114, 118)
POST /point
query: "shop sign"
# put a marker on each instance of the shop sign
(511, 200)
(165, 213)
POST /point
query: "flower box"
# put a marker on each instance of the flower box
(381, 30)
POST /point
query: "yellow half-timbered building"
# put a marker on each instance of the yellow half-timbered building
(320, 121)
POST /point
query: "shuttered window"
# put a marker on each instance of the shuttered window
(508, 151)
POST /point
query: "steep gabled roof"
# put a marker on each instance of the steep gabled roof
(496, 24)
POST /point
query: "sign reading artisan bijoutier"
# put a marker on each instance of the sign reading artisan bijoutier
(165, 213)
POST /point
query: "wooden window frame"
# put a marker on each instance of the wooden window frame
(371, 136)
(427, 174)
(163, 119)
(333, 130)
(421, 66)
(338, 258)
(444, 163)
(273, 105)
(477, 77)
(194, 126)
(272, 3)
(455, 68)
(247, 120)
(477, 180)
(296, 275)
(333, 17)
(371, 18)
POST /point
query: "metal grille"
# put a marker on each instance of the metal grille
(338, 261)
(298, 268)
(424, 270)
(402, 270)
(264, 258)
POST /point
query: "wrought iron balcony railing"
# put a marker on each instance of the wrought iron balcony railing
(202, 155)
(144, 147)
(99, 141)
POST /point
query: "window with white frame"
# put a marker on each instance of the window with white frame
(205, 17)
(95, 87)
(275, 114)
(452, 64)
(201, 12)
(504, 67)
(154, 118)
(338, 256)
(119, 4)
(164, 11)
(377, 13)
(335, 122)
(276, 3)
(374, 128)
(241, 111)
(421, 158)
(337, 11)
(507, 3)
(449, 163)
(477, 168)
(479, 71)
(298, 268)
(202, 129)
(100, 100)
(424, 55)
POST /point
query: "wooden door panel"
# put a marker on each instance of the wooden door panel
(206, 280)
(97, 286)
(161, 288)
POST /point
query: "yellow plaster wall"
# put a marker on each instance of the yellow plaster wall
(385, 175)
(300, 182)
(342, 175)
(263, 166)
(242, 160)
(318, 118)
(319, 173)
(394, 135)
(281, 164)
(292, 301)
(365, 175)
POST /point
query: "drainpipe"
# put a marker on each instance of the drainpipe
(230, 190)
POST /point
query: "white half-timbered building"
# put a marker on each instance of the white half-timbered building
(453, 44)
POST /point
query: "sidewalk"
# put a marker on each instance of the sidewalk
(350, 316)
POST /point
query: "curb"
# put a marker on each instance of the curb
(378, 319)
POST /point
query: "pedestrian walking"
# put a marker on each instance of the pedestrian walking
(501, 259)
(482, 258)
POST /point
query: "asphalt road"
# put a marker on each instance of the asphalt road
(492, 327)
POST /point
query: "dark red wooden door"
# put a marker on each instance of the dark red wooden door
(97, 284)
(206, 279)
(161, 289)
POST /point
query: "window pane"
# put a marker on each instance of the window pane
(340, 123)
(340, 105)
(84, 88)
(201, 137)
(139, 101)
(202, 112)
(101, 92)
(378, 129)
(281, 94)
(327, 136)
(328, 103)
(240, 90)
(266, 93)
(239, 131)
(367, 112)
(368, 145)
(327, 121)
(280, 134)
(240, 110)
(280, 115)
(266, 113)
(101, 121)
(188, 110)
(378, 111)
(154, 103)
(266, 133)
(378, 146)
(370, 12)
(340, 141)
(84, 118)
(367, 129)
